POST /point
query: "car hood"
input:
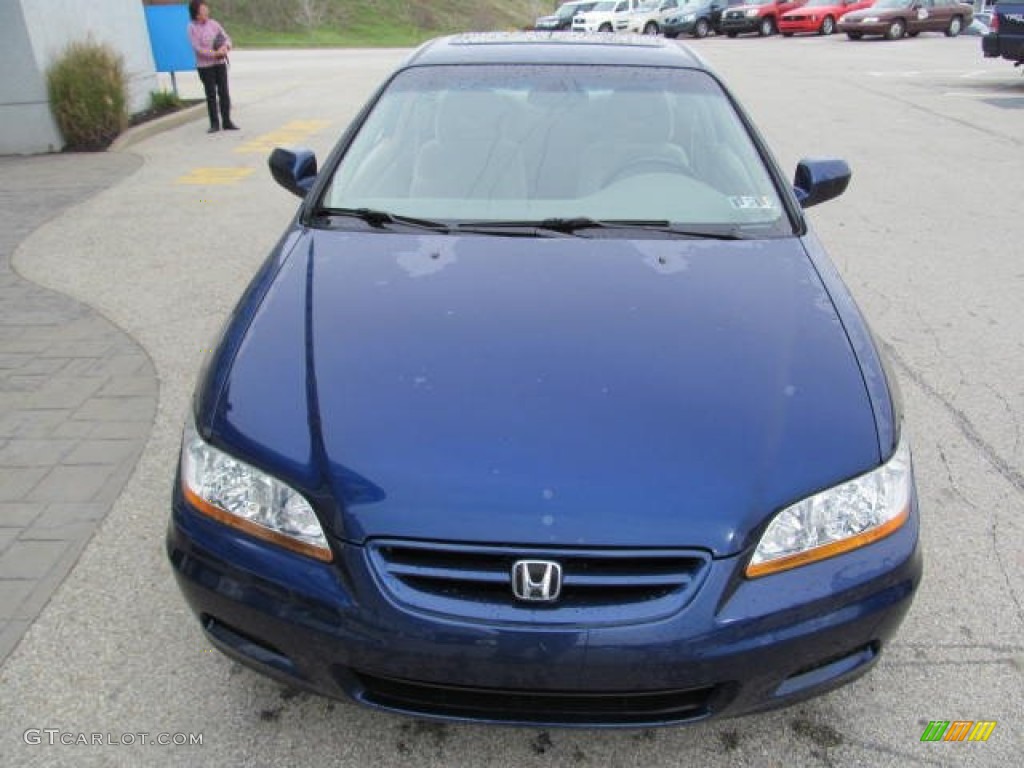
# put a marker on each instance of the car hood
(694, 6)
(804, 11)
(564, 391)
(880, 13)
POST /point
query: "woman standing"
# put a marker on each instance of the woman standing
(211, 45)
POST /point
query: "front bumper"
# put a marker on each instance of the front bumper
(671, 28)
(803, 26)
(740, 26)
(869, 28)
(738, 646)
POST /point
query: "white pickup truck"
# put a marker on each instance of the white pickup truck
(606, 16)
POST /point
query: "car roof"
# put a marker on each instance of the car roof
(555, 48)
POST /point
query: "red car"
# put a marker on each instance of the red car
(759, 16)
(818, 16)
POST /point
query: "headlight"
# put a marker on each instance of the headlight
(236, 494)
(689, 16)
(838, 520)
(752, 13)
(869, 20)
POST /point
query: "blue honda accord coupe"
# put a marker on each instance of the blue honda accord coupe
(549, 408)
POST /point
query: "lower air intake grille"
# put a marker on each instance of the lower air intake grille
(493, 704)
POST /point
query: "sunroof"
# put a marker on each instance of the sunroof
(561, 38)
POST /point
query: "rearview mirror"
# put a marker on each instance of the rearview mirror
(293, 169)
(820, 179)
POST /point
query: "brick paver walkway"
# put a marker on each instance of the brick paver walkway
(77, 396)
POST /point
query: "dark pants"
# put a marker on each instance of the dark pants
(215, 83)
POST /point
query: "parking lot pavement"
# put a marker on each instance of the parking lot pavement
(927, 238)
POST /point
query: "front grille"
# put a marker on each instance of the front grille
(503, 705)
(600, 586)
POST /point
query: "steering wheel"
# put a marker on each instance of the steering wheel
(645, 165)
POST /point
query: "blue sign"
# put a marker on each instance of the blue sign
(168, 36)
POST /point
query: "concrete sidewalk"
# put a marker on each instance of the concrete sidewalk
(77, 396)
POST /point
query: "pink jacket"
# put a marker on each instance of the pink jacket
(201, 36)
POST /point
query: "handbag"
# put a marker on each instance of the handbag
(218, 41)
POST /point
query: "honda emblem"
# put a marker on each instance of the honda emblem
(536, 580)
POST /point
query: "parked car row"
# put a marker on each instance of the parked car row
(891, 19)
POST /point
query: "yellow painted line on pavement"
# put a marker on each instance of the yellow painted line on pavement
(290, 134)
(205, 176)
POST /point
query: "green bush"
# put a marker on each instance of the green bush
(164, 101)
(87, 95)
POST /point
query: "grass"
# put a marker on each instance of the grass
(161, 103)
(370, 23)
(164, 101)
(362, 35)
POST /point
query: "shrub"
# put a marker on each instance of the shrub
(164, 101)
(86, 86)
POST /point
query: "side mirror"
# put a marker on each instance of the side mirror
(295, 170)
(820, 179)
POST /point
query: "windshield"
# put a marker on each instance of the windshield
(606, 6)
(568, 10)
(892, 4)
(820, 3)
(529, 143)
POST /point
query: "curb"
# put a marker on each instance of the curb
(141, 132)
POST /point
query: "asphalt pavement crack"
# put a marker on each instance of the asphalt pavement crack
(994, 534)
(950, 663)
(1007, 471)
(952, 482)
(1011, 474)
(995, 648)
(906, 758)
(1010, 414)
(904, 103)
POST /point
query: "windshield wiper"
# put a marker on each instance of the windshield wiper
(576, 224)
(379, 219)
(564, 225)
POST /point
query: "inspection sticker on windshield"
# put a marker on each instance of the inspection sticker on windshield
(752, 203)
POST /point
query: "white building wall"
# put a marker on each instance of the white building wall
(26, 123)
(35, 32)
